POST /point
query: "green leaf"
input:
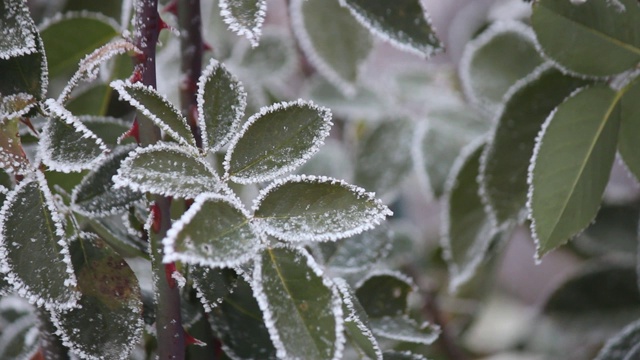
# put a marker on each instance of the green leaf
(274, 59)
(214, 232)
(402, 355)
(505, 160)
(356, 321)
(238, 322)
(358, 252)
(403, 23)
(20, 339)
(567, 178)
(303, 313)
(628, 146)
(336, 51)
(65, 45)
(622, 346)
(487, 72)
(221, 104)
(467, 230)
(119, 237)
(107, 128)
(17, 33)
(309, 208)
(66, 145)
(168, 170)
(108, 322)
(34, 253)
(157, 109)
(95, 195)
(383, 157)
(576, 36)
(244, 17)
(614, 232)
(402, 328)
(212, 285)
(277, 140)
(15, 106)
(25, 74)
(12, 158)
(384, 294)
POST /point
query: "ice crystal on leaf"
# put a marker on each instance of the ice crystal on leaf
(17, 33)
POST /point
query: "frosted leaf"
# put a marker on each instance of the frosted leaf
(33, 250)
(66, 144)
(108, 128)
(65, 46)
(302, 309)
(356, 321)
(276, 140)
(274, 59)
(309, 208)
(214, 232)
(332, 160)
(364, 104)
(221, 103)
(167, 169)
(359, 252)
(622, 346)
(383, 157)
(403, 328)
(17, 29)
(107, 324)
(120, 235)
(27, 73)
(90, 65)
(403, 23)
(20, 339)
(95, 195)
(16, 105)
(244, 17)
(333, 41)
(486, 73)
(12, 157)
(212, 285)
(402, 355)
(384, 293)
(157, 109)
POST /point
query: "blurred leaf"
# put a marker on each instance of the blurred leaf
(95, 195)
(309, 208)
(214, 232)
(614, 231)
(628, 146)
(93, 101)
(363, 104)
(168, 170)
(65, 46)
(34, 253)
(567, 179)
(114, 233)
(404, 355)
(277, 140)
(404, 23)
(244, 17)
(402, 328)
(221, 104)
(108, 322)
(20, 339)
(486, 73)
(333, 41)
(303, 315)
(212, 285)
(384, 294)
(239, 323)
(576, 36)
(622, 346)
(331, 160)
(505, 160)
(358, 252)
(384, 157)
(274, 58)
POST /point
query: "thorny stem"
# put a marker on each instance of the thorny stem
(171, 344)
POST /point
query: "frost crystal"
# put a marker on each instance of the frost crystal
(17, 32)
(16, 105)
(244, 17)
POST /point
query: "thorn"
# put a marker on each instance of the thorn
(141, 58)
(171, 7)
(157, 218)
(190, 340)
(136, 76)
(133, 132)
(27, 121)
(162, 25)
(206, 46)
(169, 269)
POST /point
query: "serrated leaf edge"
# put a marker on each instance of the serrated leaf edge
(253, 34)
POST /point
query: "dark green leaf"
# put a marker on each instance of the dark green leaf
(167, 170)
(25, 74)
(95, 195)
(624, 345)
(212, 285)
(614, 231)
(65, 45)
(119, 237)
(16, 105)
(303, 208)
(404, 23)
(108, 323)
(567, 178)
(67, 145)
(303, 315)
(358, 252)
(384, 294)
(157, 109)
(244, 17)
(34, 252)
(383, 158)
(239, 323)
(214, 232)
(17, 30)
(332, 39)
(505, 160)
(628, 146)
(221, 104)
(277, 140)
(576, 36)
(403, 328)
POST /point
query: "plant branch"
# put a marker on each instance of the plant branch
(171, 344)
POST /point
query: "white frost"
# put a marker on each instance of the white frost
(247, 25)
